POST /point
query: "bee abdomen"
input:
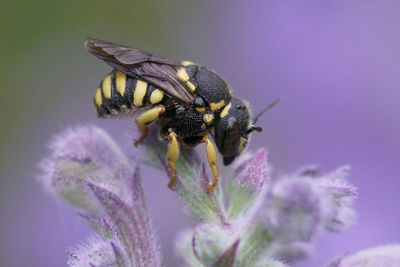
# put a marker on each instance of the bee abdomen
(119, 94)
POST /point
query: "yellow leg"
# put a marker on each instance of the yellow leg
(145, 119)
(212, 160)
(172, 156)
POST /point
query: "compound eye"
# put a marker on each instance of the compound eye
(240, 106)
(231, 141)
(200, 104)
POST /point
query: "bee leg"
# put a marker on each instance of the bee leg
(212, 161)
(145, 119)
(172, 156)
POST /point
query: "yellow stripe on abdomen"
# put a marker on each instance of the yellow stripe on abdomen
(156, 96)
(120, 81)
(140, 92)
(182, 75)
(97, 98)
(106, 86)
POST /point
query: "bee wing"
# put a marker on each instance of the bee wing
(139, 64)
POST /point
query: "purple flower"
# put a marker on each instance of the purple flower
(234, 245)
(295, 209)
(190, 186)
(88, 170)
(254, 224)
(132, 222)
(340, 195)
(290, 252)
(97, 252)
(249, 186)
(84, 154)
(308, 170)
(299, 206)
(255, 173)
(387, 256)
(210, 241)
(184, 249)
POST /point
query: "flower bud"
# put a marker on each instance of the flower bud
(340, 195)
(294, 209)
(299, 206)
(388, 256)
(249, 187)
(210, 241)
(80, 155)
(97, 252)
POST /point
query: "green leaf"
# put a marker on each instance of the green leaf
(255, 243)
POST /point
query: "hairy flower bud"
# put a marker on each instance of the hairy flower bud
(97, 252)
(255, 173)
(88, 170)
(210, 241)
(84, 154)
(256, 223)
(301, 205)
(249, 187)
(388, 256)
(295, 209)
(340, 195)
(184, 249)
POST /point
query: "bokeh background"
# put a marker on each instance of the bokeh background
(334, 63)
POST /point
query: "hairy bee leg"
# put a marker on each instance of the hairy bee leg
(172, 156)
(145, 119)
(212, 161)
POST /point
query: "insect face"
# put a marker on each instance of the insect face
(232, 130)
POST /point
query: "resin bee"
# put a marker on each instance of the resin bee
(189, 102)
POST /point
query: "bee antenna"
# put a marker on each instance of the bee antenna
(255, 119)
(254, 128)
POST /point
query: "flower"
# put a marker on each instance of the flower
(295, 209)
(134, 229)
(340, 194)
(88, 170)
(302, 205)
(388, 256)
(97, 252)
(258, 222)
(211, 241)
(249, 187)
(255, 173)
(191, 181)
(299, 206)
(212, 245)
(82, 154)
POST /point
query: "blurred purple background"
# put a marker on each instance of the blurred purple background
(335, 65)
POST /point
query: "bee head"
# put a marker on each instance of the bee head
(232, 130)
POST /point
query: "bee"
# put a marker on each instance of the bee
(188, 102)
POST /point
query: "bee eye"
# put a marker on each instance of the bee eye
(228, 139)
(239, 106)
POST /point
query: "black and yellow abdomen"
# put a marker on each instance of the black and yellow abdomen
(119, 93)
